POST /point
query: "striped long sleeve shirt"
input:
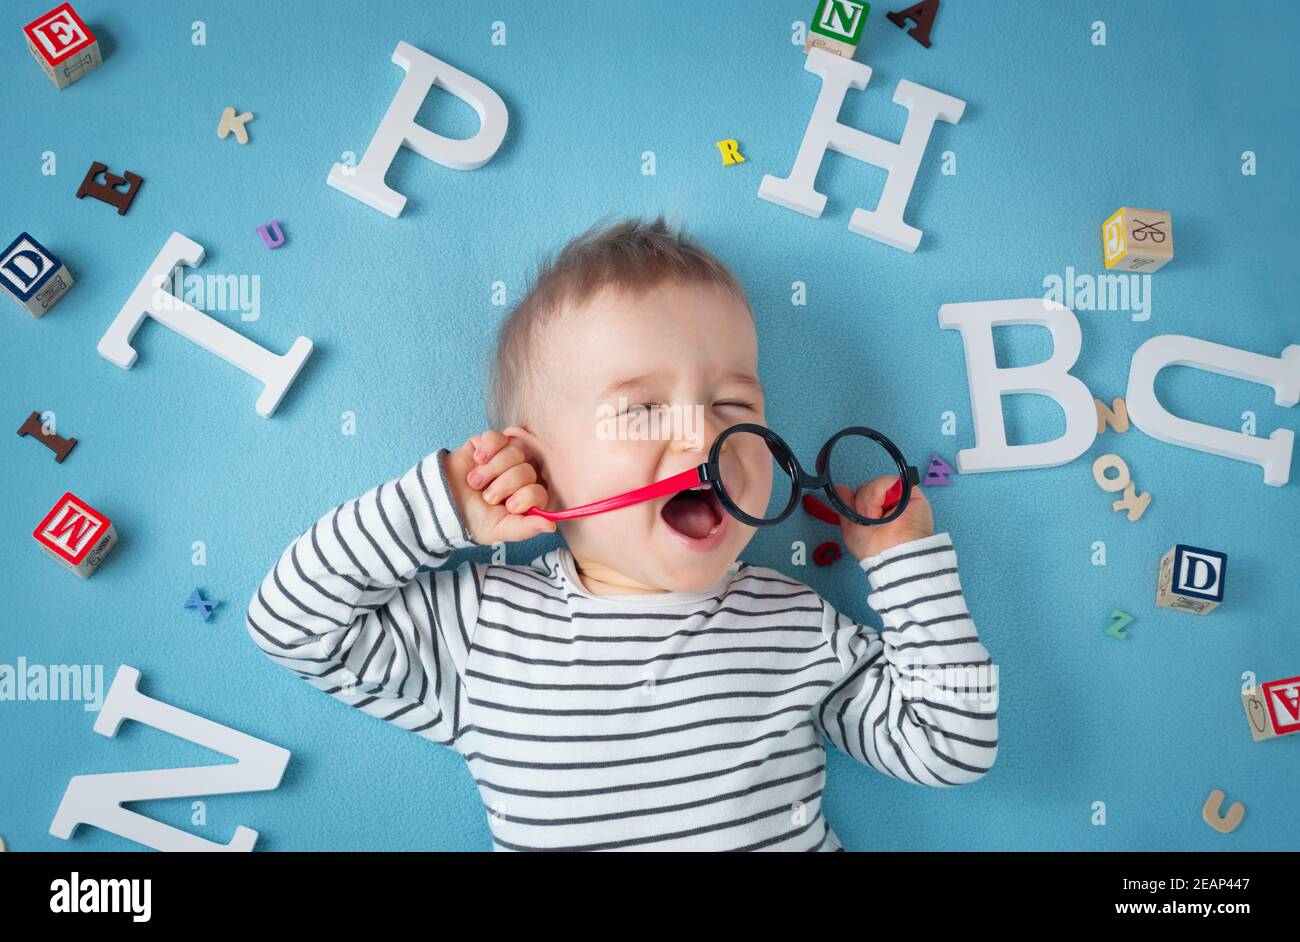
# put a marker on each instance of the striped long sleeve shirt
(682, 721)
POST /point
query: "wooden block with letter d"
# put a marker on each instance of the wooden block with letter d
(1191, 579)
(33, 275)
(1140, 240)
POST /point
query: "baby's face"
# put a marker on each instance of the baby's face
(691, 352)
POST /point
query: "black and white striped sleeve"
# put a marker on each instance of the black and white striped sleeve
(918, 700)
(348, 609)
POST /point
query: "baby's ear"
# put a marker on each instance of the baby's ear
(532, 448)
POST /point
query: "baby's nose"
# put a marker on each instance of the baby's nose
(699, 435)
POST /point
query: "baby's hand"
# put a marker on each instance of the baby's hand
(494, 485)
(915, 522)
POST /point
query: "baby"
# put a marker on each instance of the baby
(638, 688)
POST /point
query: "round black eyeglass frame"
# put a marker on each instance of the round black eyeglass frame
(908, 476)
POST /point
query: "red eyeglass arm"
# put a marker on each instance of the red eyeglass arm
(688, 479)
(678, 482)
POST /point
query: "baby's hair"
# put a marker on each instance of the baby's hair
(632, 255)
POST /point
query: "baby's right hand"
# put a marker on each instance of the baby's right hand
(494, 485)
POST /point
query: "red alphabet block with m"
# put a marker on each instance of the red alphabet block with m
(76, 534)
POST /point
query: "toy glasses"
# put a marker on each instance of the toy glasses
(851, 456)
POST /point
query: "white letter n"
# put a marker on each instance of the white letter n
(902, 160)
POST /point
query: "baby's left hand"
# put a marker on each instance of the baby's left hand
(916, 521)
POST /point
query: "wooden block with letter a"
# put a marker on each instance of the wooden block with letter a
(1273, 709)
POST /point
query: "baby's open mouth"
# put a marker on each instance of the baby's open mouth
(696, 513)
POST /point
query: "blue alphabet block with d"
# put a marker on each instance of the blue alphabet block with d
(32, 275)
(1191, 579)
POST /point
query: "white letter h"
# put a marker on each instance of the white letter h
(902, 160)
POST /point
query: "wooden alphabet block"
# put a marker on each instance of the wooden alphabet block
(1282, 698)
(1191, 579)
(1138, 239)
(837, 26)
(62, 45)
(76, 535)
(1261, 724)
(32, 275)
(844, 50)
(1273, 709)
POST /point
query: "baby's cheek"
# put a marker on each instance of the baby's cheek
(617, 531)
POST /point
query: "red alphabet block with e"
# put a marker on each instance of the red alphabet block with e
(62, 45)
